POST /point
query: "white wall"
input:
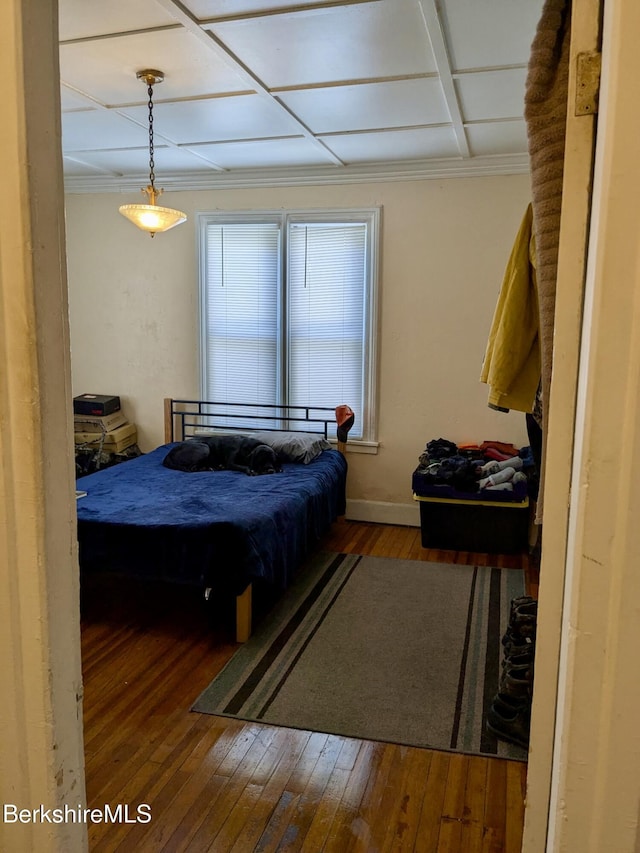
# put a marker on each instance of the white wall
(445, 244)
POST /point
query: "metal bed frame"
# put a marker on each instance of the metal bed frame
(183, 418)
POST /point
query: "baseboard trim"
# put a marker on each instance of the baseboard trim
(384, 512)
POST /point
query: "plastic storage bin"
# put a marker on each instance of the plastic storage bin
(474, 525)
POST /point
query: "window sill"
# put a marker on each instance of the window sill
(355, 446)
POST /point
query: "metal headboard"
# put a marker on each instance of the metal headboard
(184, 417)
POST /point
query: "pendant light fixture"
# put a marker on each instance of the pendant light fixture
(151, 217)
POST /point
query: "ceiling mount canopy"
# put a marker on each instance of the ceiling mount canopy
(150, 76)
(151, 217)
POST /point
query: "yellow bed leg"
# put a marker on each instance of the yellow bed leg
(243, 615)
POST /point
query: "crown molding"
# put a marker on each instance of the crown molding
(415, 170)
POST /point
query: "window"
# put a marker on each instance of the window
(288, 310)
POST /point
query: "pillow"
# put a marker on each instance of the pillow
(295, 446)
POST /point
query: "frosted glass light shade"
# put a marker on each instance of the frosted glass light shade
(152, 218)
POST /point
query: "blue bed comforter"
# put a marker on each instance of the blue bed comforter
(215, 528)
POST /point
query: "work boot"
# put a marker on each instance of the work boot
(517, 683)
(518, 660)
(509, 722)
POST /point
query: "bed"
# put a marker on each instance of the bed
(219, 530)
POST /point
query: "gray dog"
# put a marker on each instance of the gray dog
(223, 452)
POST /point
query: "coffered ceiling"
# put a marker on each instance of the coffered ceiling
(274, 91)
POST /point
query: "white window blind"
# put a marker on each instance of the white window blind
(241, 313)
(288, 312)
(327, 287)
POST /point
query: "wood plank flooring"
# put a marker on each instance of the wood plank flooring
(217, 784)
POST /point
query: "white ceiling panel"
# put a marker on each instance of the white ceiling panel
(340, 43)
(218, 119)
(70, 100)
(394, 145)
(398, 103)
(507, 137)
(203, 9)
(492, 94)
(106, 69)
(264, 154)
(79, 169)
(99, 129)
(277, 84)
(84, 18)
(489, 33)
(136, 161)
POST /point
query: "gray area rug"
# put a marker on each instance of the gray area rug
(377, 648)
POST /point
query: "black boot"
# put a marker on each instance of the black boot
(510, 721)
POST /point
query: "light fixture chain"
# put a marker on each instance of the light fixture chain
(149, 216)
(151, 161)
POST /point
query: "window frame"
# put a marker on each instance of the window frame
(372, 218)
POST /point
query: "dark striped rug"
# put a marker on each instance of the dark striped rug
(371, 647)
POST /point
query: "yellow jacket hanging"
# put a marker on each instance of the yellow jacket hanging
(511, 366)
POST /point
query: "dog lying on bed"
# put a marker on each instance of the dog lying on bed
(223, 452)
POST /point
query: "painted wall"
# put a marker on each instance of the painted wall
(445, 244)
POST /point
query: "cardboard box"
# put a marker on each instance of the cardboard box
(99, 423)
(114, 441)
(95, 404)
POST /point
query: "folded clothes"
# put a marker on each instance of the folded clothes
(496, 455)
(502, 446)
(454, 470)
(492, 467)
(499, 477)
(468, 470)
(440, 448)
(526, 454)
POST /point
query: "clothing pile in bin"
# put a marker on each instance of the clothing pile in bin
(493, 470)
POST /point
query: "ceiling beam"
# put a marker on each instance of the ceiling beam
(286, 10)
(210, 40)
(98, 105)
(436, 36)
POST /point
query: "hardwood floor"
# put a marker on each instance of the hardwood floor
(217, 784)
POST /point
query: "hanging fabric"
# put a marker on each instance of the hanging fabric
(546, 94)
(511, 366)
